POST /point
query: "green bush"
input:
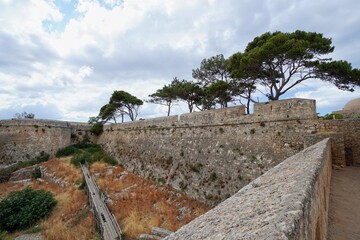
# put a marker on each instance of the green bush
(5, 174)
(81, 158)
(66, 151)
(86, 152)
(213, 177)
(333, 116)
(22, 209)
(103, 156)
(36, 173)
(97, 128)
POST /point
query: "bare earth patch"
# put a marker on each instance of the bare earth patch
(344, 211)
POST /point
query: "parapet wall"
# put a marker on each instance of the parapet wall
(23, 140)
(289, 109)
(290, 201)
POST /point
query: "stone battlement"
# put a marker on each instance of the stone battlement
(270, 111)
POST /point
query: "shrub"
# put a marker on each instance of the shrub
(213, 177)
(196, 167)
(81, 158)
(102, 156)
(67, 151)
(333, 116)
(5, 174)
(97, 128)
(24, 208)
(169, 160)
(86, 152)
(36, 173)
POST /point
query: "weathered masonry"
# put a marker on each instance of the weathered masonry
(290, 201)
(210, 155)
(22, 140)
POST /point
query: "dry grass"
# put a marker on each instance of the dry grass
(137, 203)
(71, 218)
(140, 204)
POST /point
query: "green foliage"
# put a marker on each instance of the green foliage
(279, 61)
(104, 157)
(5, 174)
(213, 177)
(166, 96)
(97, 128)
(218, 93)
(86, 152)
(36, 173)
(121, 103)
(34, 229)
(66, 151)
(81, 158)
(126, 103)
(178, 90)
(333, 116)
(169, 160)
(5, 236)
(23, 209)
(24, 115)
(212, 70)
(196, 167)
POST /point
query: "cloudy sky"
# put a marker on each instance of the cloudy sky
(62, 59)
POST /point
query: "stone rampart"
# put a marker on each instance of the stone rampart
(22, 140)
(290, 201)
(211, 157)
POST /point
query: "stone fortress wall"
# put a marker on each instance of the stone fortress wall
(23, 140)
(281, 204)
(210, 155)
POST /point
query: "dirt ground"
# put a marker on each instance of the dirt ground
(344, 211)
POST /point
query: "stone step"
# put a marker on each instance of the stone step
(161, 232)
(149, 237)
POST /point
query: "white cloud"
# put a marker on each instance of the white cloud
(140, 45)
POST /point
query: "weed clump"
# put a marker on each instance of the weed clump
(85, 152)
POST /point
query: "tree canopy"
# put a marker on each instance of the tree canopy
(24, 115)
(280, 61)
(211, 70)
(167, 95)
(121, 103)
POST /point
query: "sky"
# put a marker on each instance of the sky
(62, 59)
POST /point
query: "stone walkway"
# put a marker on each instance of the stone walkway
(344, 211)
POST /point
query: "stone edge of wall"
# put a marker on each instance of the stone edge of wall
(288, 109)
(290, 201)
(43, 123)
